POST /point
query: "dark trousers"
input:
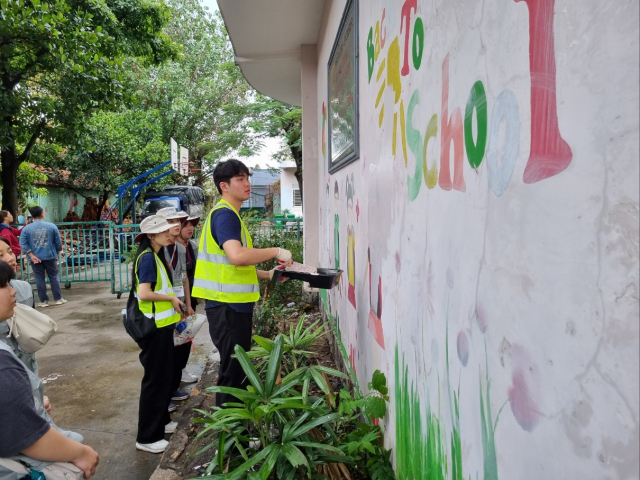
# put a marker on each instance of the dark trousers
(229, 328)
(157, 358)
(51, 267)
(180, 360)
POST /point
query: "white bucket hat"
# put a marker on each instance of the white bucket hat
(152, 224)
(194, 221)
(171, 213)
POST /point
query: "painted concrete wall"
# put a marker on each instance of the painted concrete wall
(288, 182)
(489, 233)
(58, 202)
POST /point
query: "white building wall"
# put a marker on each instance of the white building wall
(288, 182)
(506, 282)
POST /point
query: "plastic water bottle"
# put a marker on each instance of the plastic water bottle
(180, 326)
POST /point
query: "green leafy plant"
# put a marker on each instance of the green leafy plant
(296, 344)
(277, 429)
(363, 440)
(295, 433)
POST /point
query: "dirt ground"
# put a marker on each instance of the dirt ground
(180, 460)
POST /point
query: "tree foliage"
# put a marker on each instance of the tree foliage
(62, 59)
(28, 179)
(273, 118)
(115, 147)
(201, 97)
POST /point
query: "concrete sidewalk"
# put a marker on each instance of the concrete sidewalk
(93, 375)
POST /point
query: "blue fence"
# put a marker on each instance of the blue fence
(103, 251)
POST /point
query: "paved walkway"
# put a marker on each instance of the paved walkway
(93, 375)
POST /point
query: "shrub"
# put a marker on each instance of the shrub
(301, 435)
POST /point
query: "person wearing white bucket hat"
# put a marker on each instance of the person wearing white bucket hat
(156, 297)
(176, 256)
(191, 249)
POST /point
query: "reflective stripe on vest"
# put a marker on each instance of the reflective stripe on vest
(164, 313)
(216, 278)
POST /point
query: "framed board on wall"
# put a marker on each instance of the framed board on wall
(342, 81)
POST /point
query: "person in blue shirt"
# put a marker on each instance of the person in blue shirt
(40, 242)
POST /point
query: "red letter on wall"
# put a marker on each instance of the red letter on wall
(451, 130)
(549, 154)
(405, 19)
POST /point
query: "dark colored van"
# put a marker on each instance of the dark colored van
(183, 197)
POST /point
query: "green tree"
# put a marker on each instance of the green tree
(27, 179)
(272, 118)
(202, 96)
(115, 147)
(62, 59)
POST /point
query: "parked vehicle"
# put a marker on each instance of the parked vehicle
(183, 197)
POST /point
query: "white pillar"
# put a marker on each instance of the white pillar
(310, 166)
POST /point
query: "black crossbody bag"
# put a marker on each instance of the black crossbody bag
(136, 323)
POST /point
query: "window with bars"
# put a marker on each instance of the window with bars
(297, 198)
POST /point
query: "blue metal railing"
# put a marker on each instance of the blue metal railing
(87, 250)
(103, 251)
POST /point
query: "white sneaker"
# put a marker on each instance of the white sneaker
(188, 377)
(170, 427)
(43, 304)
(62, 301)
(155, 447)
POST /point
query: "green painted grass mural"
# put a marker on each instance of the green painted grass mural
(335, 325)
(424, 450)
(488, 427)
(421, 447)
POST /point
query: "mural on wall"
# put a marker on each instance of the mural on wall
(550, 153)
(351, 242)
(73, 201)
(449, 105)
(375, 302)
(327, 226)
(351, 265)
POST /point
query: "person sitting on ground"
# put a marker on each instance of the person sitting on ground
(28, 436)
(40, 242)
(24, 292)
(8, 232)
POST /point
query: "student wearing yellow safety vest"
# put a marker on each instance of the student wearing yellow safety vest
(157, 300)
(226, 276)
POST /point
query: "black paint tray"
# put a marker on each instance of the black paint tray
(327, 278)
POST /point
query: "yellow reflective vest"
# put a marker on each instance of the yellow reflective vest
(162, 312)
(216, 278)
